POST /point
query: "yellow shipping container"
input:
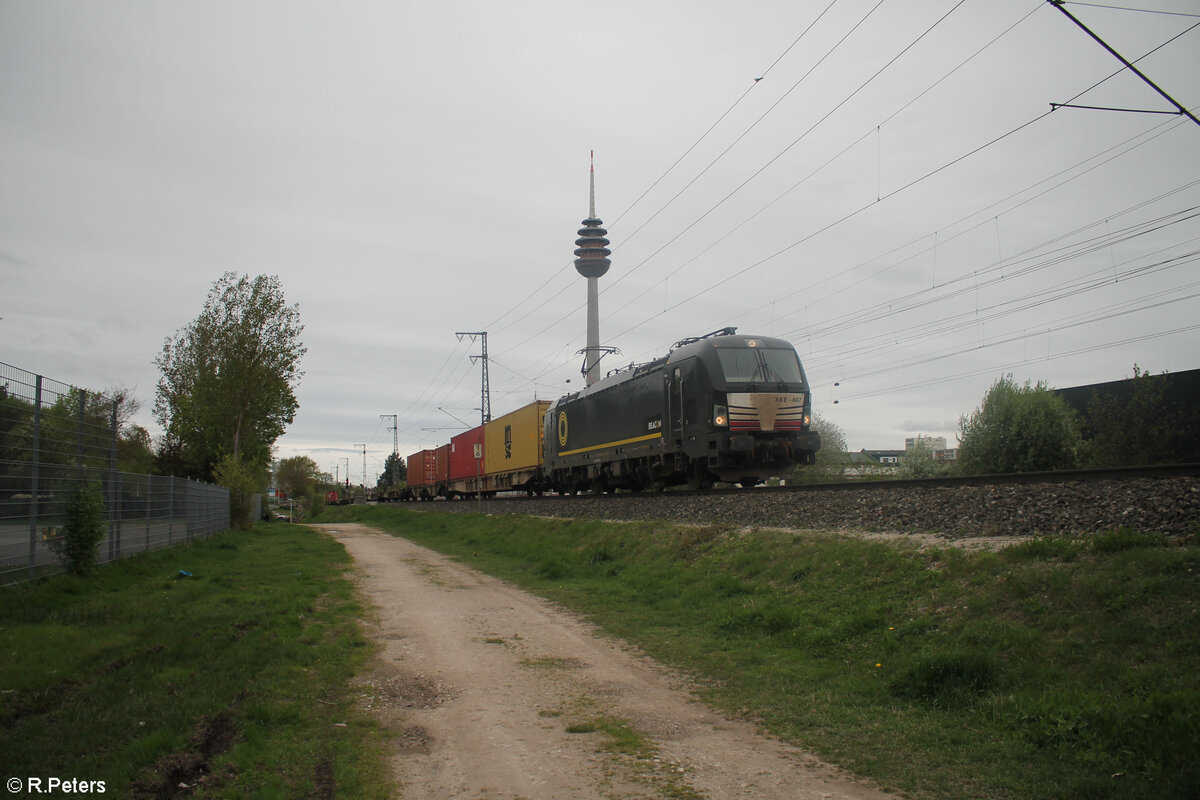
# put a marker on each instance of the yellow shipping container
(514, 442)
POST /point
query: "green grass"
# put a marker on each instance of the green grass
(1056, 669)
(619, 736)
(143, 677)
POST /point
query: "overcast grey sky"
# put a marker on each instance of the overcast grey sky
(895, 196)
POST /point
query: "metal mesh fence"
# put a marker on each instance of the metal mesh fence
(56, 438)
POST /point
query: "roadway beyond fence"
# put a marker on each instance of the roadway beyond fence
(56, 438)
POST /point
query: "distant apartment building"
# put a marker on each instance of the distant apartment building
(936, 444)
(867, 462)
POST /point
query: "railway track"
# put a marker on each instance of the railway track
(1163, 499)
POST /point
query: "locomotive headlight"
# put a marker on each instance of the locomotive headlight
(720, 416)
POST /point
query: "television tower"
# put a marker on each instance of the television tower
(592, 262)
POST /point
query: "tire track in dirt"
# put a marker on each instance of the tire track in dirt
(481, 681)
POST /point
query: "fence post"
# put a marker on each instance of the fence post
(170, 511)
(35, 460)
(79, 432)
(146, 500)
(114, 490)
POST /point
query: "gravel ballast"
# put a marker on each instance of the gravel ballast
(1169, 506)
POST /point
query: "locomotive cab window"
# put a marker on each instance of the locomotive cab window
(760, 365)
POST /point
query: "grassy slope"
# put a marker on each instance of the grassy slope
(1054, 669)
(143, 677)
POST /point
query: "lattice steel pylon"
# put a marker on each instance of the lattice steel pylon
(485, 398)
(395, 444)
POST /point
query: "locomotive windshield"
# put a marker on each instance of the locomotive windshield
(760, 365)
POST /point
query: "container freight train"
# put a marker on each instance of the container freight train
(720, 407)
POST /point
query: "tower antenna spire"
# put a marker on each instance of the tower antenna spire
(592, 187)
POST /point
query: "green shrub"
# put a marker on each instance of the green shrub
(76, 545)
(317, 503)
(1018, 429)
(238, 477)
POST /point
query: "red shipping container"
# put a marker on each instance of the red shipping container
(464, 463)
(422, 469)
(441, 465)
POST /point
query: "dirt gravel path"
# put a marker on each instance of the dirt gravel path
(497, 694)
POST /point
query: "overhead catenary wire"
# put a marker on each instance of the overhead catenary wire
(906, 186)
(1012, 264)
(993, 369)
(1060, 5)
(839, 221)
(987, 215)
(880, 197)
(1101, 277)
(566, 267)
(1127, 8)
(1025, 335)
(931, 329)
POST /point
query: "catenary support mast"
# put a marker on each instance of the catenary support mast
(485, 398)
(1128, 64)
(395, 445)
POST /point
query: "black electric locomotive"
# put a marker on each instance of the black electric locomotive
(720, 407)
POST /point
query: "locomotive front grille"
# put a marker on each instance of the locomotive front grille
(765, 411)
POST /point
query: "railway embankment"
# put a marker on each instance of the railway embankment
(1169, 506)
(932, 670)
